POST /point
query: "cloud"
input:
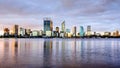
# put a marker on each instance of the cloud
(60, 7)
(75, 12)
(26, 7)
(88, 7)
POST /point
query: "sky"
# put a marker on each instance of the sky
(102, 15)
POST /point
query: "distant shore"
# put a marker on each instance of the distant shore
(85, 37)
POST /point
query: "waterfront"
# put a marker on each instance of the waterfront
(59, 53)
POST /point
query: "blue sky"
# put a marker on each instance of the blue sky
(102, 15)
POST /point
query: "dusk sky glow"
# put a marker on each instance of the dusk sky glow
(102, 15)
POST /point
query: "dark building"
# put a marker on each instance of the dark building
(57, 29)
(48, 25)
(15, 30)
(6, 32)
(74, 31)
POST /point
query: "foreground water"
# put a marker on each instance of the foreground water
(59, 53)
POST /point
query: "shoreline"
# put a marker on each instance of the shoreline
(54, 38)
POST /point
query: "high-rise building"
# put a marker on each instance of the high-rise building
(117, 33)
(15, 30)
(22, 31)
(88, 30)
(74, 31)
(48, 25)
(81, 31)
(25, 31)
(63, 26)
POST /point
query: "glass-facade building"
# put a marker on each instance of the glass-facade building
(48, 25)
(81, 31)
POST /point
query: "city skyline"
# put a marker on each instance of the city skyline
(49, 31)
(50, 27)
(102, 15)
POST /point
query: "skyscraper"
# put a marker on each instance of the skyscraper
(81, 31)
(117, 33)
(48, 25)
(63, 26)
(88, 30)
(22, 31)
(74, 31)
(15, 30)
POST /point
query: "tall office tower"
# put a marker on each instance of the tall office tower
(15, 30)
(6, 32)
(81, 31)
(117, 33)
(74, 31)
(22, 31)
(63, 26)
(88, 30)
(48, 25)
(57, 29)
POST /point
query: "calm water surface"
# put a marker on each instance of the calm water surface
(59, 53)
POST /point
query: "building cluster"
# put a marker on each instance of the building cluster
(59, 33)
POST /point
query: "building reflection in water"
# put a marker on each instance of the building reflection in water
(16, 46)
(6, 48)
(47, 57)
(15, 50)
(59, 52)
(10, 52)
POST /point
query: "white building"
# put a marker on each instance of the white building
(49, 33)
(62, 34)
(22, 32)
(35, 33)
